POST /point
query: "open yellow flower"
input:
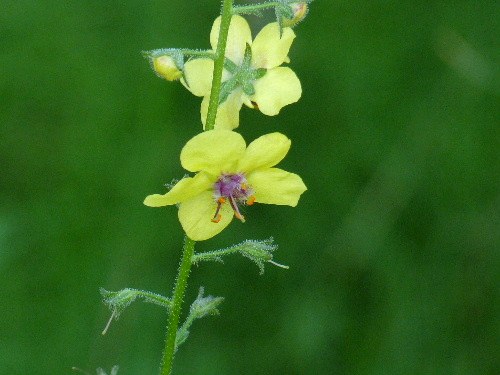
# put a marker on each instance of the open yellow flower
(229, 174)
(252, 75)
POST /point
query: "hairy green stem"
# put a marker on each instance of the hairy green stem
(245, 9)
(227, 10)
(155, 298)
(213, 255)
(197, 53)
(176, 304)
(188, 250)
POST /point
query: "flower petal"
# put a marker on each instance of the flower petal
(265, 152)
(238, 37)
(268, 49)
(213, 151)
(228, 113)
(196, 216)
(278, 88)
(276, 186)
(198, 76)
(185, 189)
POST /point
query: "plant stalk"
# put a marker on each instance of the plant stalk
(227, 10)
(245, 9)
(188, 250)
(176, 305)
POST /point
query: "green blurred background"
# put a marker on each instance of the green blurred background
(393, 251)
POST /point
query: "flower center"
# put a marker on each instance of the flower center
(234, 189)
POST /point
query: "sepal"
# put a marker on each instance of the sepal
(117, 302)
(203, 306)
(200, 308)
(227, 88)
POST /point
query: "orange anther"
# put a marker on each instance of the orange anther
(251, 200)
(217, 218)
(221, 200)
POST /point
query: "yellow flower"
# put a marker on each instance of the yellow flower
(252, 76)
(229, 174)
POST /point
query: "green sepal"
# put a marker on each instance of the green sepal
(119, 301)
(285, 10)
(243, 76)
(248, 88)
(259, 73)
(247, 58)
(258, 252)
(230, 66)
(281, 11)
(200, 308)
(226, 88)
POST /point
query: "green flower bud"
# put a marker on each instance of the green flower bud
(165, 67)
(299, 11)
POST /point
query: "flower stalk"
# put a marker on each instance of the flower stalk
(255, 8)
(188, 52)
(176, 305)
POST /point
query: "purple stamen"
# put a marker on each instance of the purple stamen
(237, 213)
(235, 189)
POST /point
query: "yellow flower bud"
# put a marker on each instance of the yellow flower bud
(165, 67)
(299, 13)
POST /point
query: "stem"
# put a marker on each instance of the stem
(227, 10)
(154, 298)
(188, 250)
(213, 255)
(197, 53)
(245, 9)
(177, 299)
